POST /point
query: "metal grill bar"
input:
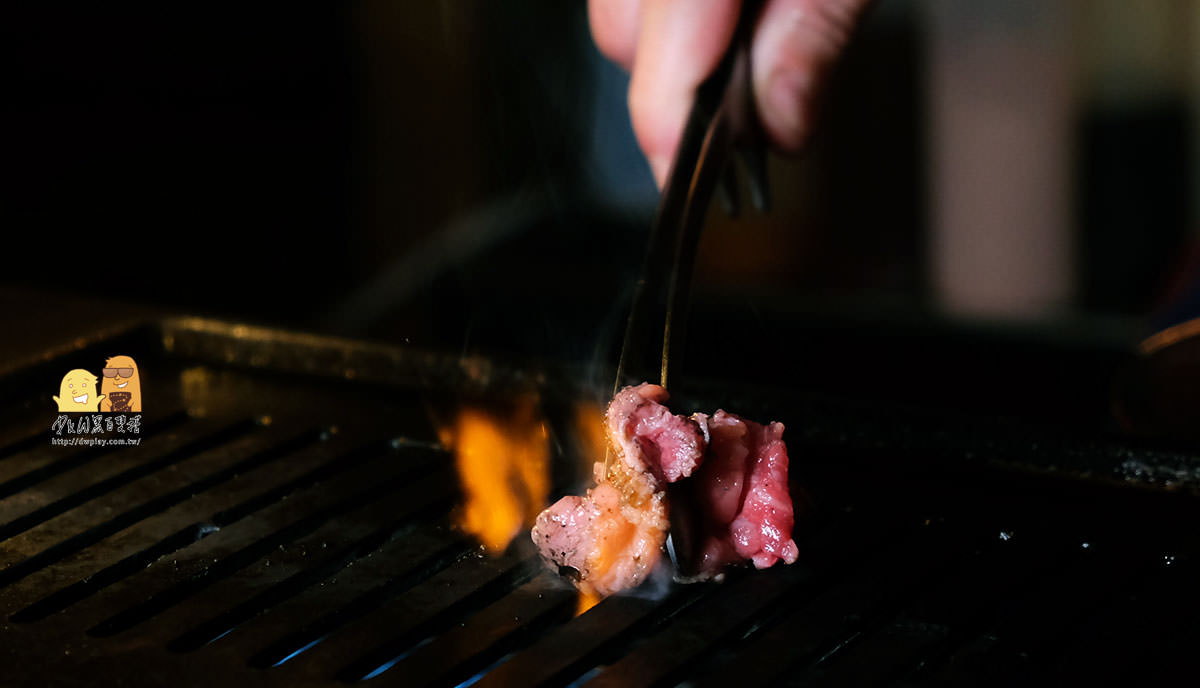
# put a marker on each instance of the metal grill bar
(22, 441)
(739, 604)
(489, 634)
(400, 566)
(205, 515)
(82, 516)
(41, 464)
(310, 560)
(421, 614)
(415, 498)
(570, 650)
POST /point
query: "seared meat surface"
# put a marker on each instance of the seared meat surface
(649, 438)
(611, 544)
(735, 469)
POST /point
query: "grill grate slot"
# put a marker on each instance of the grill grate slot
(487, 635)
(194, 532)
(25, 426)
(326, 471)
(868, 626)
(295, 584)
(579, 644)
(29, 442)
(424, 611)
(891, 640)
(154, 430)
(402, 567)
(367, 465)
(417, 497)
(149, 508)
(745, 597)
(84, 488)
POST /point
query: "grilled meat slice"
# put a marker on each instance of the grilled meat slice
(736, 470)
(741, 494)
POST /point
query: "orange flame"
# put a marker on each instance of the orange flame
(503, 462)
(589, 431)
(586, 601)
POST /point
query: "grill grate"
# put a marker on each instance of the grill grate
(315, 548)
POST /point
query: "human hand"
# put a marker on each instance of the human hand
(671, 46)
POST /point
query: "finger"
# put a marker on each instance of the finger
(679, 44)
(796, 45)
(615, 28)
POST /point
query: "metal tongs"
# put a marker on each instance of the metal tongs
(723, 121)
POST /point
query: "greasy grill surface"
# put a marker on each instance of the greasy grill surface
(274, 529)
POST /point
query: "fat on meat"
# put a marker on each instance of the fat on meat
(610, 544)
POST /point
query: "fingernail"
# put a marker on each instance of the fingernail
(785, 96)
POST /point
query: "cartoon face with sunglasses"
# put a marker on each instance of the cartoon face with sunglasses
(121, 385)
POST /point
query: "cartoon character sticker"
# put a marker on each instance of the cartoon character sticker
(122, 386)
(119, 391)
(78, 392)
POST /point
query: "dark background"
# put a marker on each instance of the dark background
(462, 176)
(271, 164)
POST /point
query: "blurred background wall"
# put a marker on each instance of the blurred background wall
(462, 175)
